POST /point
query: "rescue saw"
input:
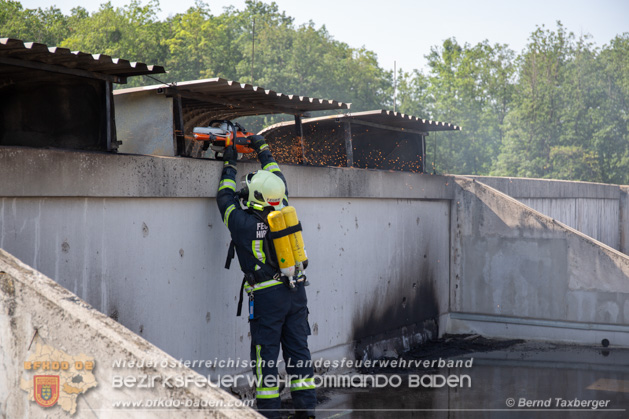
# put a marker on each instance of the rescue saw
(220, 134)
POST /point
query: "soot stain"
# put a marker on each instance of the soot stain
(114, 314)
(413, 302)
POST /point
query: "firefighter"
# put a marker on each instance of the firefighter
(278, 314)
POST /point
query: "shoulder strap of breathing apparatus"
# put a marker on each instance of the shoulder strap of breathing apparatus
(285, 232)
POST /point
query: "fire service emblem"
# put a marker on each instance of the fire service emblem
(46, 390)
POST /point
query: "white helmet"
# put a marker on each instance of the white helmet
(265, 189)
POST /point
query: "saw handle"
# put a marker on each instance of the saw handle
(227, 133)
(233, 131)
(243, 144)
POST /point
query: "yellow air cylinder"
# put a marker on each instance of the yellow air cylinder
(283, 249)
(296, 239)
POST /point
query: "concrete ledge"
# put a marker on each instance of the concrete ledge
(547, 188)
(29, 172)
(595, 209)
(536, 329)
(37, 312)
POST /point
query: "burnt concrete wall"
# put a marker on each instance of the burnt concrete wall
(518, 273)
(141, 239)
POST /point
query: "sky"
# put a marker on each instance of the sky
(402, 32)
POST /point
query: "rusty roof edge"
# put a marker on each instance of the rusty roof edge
(59, 50)
(357, 115)
(413, 118)
(104, 59)
(35, 46)
(244, 86)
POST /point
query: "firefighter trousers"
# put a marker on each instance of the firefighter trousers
(280, 317)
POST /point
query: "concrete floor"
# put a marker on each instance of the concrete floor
(526, 380)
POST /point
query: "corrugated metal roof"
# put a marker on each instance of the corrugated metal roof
(382, 118)
(401, 120)
(227, 99)
(14, 52)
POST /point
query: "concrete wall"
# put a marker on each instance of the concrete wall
(394, 256)
(141, 239)
(624, 219)
(518, 273)
(39, 318)
(598, 210)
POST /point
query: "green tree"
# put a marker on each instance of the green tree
(574, 162)
(202, 45)
(131, 32)
(307, 61)
(412, 94)
(569, 118)
(274, 35)
(470, 86)
(47, 26)
(610, 115)
(541, 105)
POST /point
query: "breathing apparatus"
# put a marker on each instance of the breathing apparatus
(263, 190)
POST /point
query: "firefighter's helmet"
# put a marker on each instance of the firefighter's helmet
(265, 189)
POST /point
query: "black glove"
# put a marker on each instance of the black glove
(230, 156)
(258, 143)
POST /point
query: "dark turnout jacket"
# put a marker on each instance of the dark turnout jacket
(248, 227)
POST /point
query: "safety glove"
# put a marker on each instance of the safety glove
(258, 143)
(230, 156)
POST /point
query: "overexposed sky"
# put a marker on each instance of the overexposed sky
(403, 31)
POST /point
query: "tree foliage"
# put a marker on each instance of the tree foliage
(472, 85)
(47, 26)
(557, 110)
(132, 32)
(569, 116)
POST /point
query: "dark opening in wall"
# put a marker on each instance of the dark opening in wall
(53, 110)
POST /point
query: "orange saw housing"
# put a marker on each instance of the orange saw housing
(221, 134)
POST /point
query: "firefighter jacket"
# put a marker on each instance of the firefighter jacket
(248, 227)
